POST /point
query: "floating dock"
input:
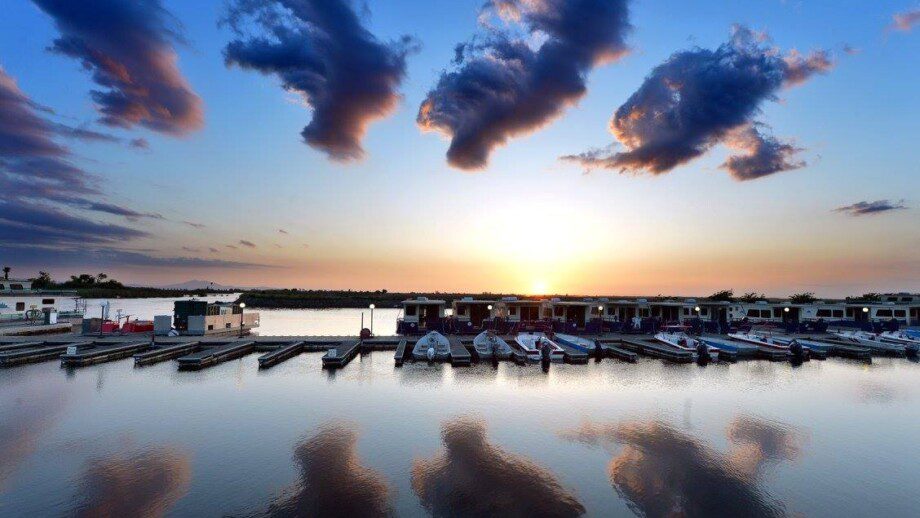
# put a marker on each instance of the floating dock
(209, 356)
(101, 352)
(611, 349)
(339, 356)
(285, 352)
(32, 352)
(166, 351)
(656, 350)
(459, 355)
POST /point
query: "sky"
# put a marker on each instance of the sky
(533, 146)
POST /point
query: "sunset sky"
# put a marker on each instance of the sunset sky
(569, 146)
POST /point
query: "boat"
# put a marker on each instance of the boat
(738, 348)
(576, 342)
(872, 341)
(913, 333)
(812, 345)
(532, 345)
(488, 345)
(433, 346)
(901, 337)
(676, 336)
(772, 343)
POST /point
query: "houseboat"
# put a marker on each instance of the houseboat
(19, 301)
(421, 315)
(911, 300)
(470, 315)
(568, 316)
(622, 314)
(199, 317)
(515, 313)
(877, 315)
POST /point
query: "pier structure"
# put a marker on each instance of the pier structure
(196, 353)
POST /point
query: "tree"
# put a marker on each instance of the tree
(6, 272)
(803, 298)
(101, 277)
(752, 296)
(871, 297)
(43, 281)
(724, 296)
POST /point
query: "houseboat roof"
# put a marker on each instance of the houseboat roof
(522, 302)
(424, 301)
(466, 300)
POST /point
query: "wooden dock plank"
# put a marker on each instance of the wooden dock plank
(284, 352)
(209, 356)
(571, 354)
(459, 355)
(102, 353)
(18, 346)
(339, 356)
(36, 354)
(400, 355)
(164, 352)
(612, 351)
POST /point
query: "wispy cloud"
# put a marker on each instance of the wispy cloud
(213, 250)
(232, 247)
(868, 208)
(699, 98)
(193, 224)
(282, 231)
(905, 21)
(502, 88)
(321, 51)
(128, 47)
(139, 143)
(247, 244)
(80, 255)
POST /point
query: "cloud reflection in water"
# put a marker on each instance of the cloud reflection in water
(475, 478)
(332, 480)
(146, 484)
(662, 471)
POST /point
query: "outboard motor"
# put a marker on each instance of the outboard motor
(702, 352)
(545, 350)
(798, 352)
(430, 353)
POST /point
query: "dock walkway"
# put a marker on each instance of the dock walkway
(339, 356)
(209, 356)
(459, 355)
(101, 352)
(166, 351)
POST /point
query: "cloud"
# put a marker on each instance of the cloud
(247, 244)
(320, 50)
(193, 224)
(190, 249)
(139, 143)
(282, 231)
(147, 483)
(763, 154)
(232, 247)
(905, 21)
(128, 47)
(33, 223)
(699, 98)
(83, 133)
(851, 50)
(55, 253)
(868, 208)
(502, 87)
(213, 250)
(131, 215)
(333, 482)
(472, 477)
(661, 471)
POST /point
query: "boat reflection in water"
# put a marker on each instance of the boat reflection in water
(147, 483)
(333, 482)
(472, 477)
(662, 471)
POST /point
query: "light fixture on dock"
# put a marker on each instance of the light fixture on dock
(786, 309)
(372, 306)
(865, 310)
(242, 307)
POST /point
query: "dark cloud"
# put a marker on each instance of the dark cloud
(128, 47)
(333, 482)
(905, 21)
(190, 249)
(320, 50)
(83, 133)
(34, 223)
(247, 244)
(661, 471)
(282, 231)
(851, 50)
(232, 247)
(503, 88)
(55, 253)
(868, 208)
(763, 154)
(131, 215)
(139, 143)
(213, 250)
(193, 224)
(472, 477)
(699, 98)
(147, 483)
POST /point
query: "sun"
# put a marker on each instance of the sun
(539, 288)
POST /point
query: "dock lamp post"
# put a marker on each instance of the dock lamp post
(600, 319)
(372, 306)
(242, 307)
(699, 316)
(491, 317)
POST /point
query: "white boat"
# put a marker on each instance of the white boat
(685, 342)
(872, 341)
(582, 344)
(760, 340)
(911, 343)
(488, 344)
(433, 346)
(533, 343)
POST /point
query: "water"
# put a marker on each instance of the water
(833, 438)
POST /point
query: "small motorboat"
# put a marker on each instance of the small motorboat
(576, 342)
(812, 345)
(431, 347)
(677, 337)
(771, 343)
(902, 337)
(533, 344)
(488, 345)
(871, 341)
(738, 348)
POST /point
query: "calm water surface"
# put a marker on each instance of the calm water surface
(833, 438)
